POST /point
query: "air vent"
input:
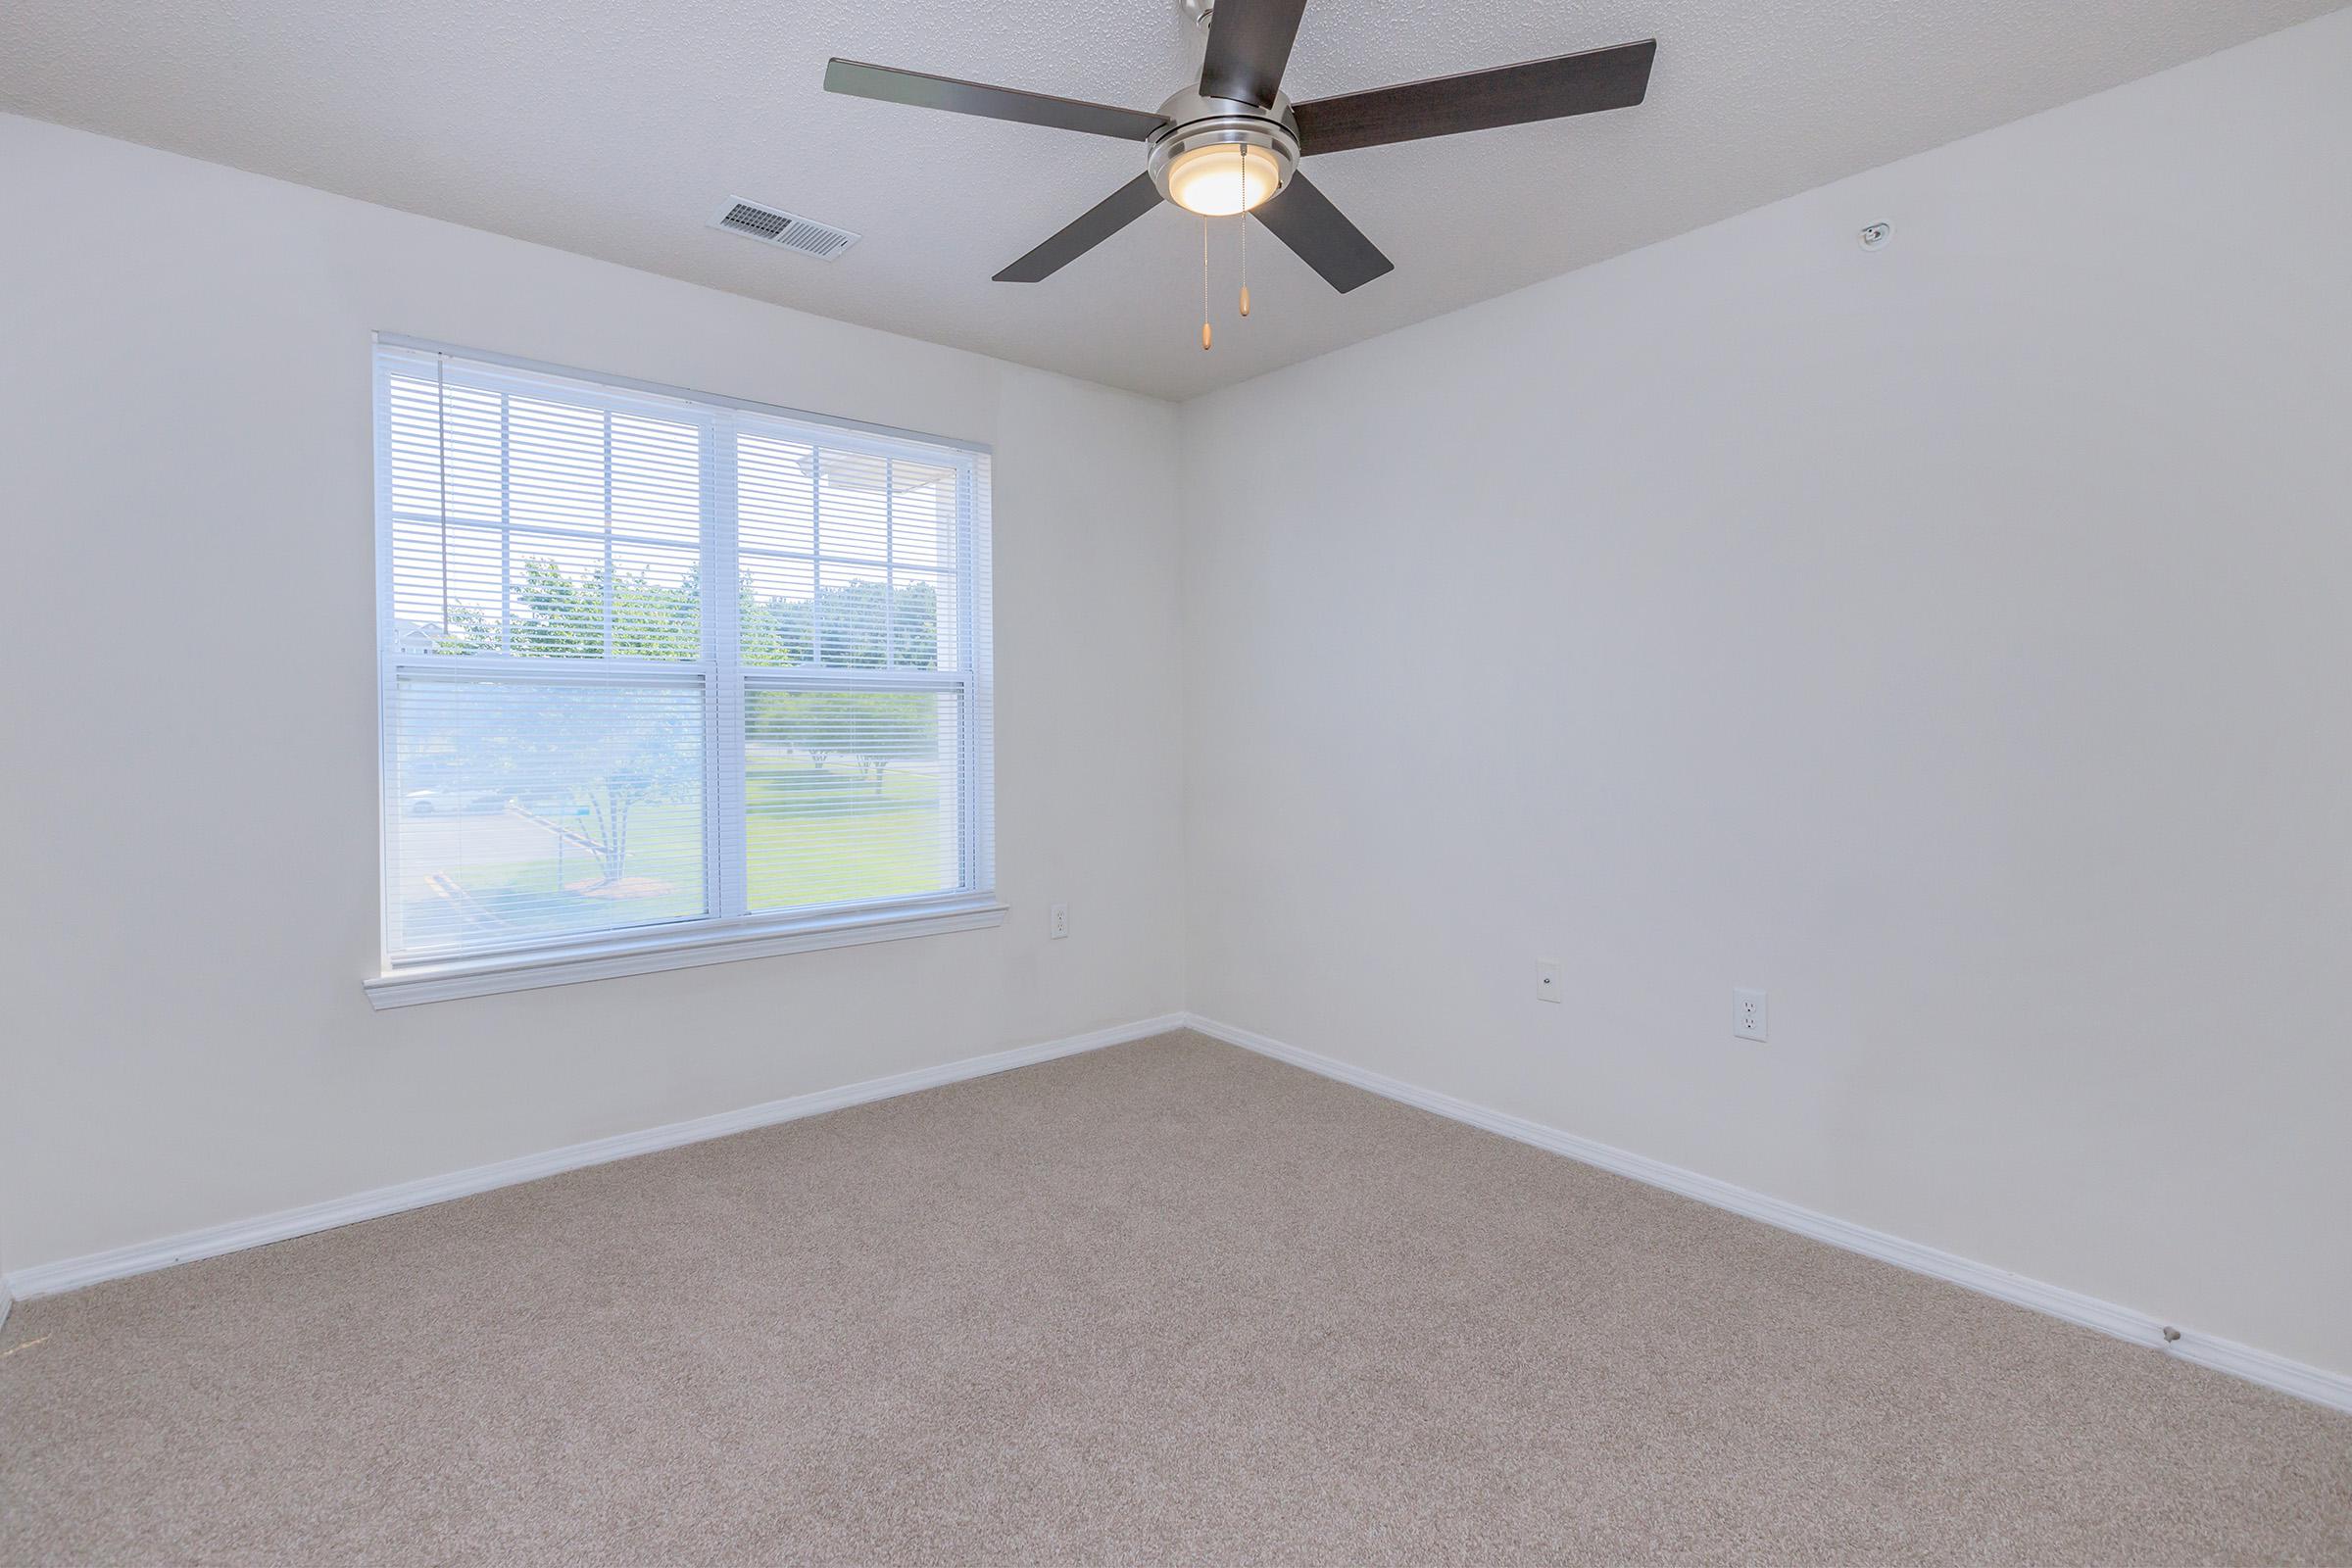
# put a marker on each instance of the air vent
(773, 226)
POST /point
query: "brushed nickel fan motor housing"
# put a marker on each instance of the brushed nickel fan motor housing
(1197, 121)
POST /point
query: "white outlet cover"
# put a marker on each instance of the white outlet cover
(1057, 923)
(1749, 1019)
(1549, 980)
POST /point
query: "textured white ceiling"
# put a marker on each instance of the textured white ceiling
(614, 127)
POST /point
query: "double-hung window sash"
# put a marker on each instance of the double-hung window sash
(656, 664)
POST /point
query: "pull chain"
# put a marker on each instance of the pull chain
(1245, 221)
(1204, 336)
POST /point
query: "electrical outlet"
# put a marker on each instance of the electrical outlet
(1057, 923)
(1547, 979)
(1749, 1018)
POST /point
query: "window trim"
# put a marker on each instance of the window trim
(718, 937)
(656, 948)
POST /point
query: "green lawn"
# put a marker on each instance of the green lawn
(815, 835)
(829, 835)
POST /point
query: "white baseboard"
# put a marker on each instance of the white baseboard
(2319, 1386)
(48, 1279)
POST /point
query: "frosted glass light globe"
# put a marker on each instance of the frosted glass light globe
(1223, 179)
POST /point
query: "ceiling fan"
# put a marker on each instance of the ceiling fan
(1232, 144)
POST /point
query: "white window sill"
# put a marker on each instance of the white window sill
(647, 952)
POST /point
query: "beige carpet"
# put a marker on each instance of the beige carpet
(1165, 1302)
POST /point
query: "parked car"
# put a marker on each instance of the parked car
(453, 797)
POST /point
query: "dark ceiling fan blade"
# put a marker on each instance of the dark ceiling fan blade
(1304, 219)
(862, 80)
(1479, 100)
(1106, 217)
(1249, 44)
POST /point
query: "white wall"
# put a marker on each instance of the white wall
(1952, 640)
(184, 472)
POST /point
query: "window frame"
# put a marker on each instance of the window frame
(729, 930)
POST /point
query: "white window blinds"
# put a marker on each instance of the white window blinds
(653, 659)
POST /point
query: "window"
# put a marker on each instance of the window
(666, 675)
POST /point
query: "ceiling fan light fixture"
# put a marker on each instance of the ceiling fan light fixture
(1218, 157)
(1239, 116)
(1219, 182)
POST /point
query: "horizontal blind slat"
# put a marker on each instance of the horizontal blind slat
(521, 809)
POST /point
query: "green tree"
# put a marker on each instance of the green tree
(620, 765)
(553, 615)
(874, 728)
(857, 625)
(557, 616)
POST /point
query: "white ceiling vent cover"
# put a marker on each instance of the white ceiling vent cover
(772, 225)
